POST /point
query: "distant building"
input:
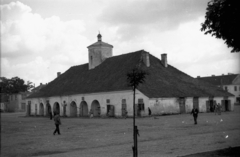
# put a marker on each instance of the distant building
(229, 83)
(17, 102)
(101, 86)
(4, 101)
(36, 89)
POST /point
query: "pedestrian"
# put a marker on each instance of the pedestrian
(50, 113)
(195, 114)
(219, 109)
(149, 112)
(91, 113)
(216, 109)
(57, 122)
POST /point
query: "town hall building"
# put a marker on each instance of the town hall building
(101, 86)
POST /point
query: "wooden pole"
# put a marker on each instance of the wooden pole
(134, 132)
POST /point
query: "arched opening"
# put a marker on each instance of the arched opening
(83, 109)
(56, 108)
(73, 109)
(48, 109)
(96, 109)
(41, 109)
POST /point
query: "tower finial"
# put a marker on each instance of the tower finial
(99, 36)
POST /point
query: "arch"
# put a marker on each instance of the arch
(56, 108)
(83, 109)
(96, 108)
(48, 109)
(41, 109)
(73, 109)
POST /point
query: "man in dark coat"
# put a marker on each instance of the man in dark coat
(57, 122)
(195, 114)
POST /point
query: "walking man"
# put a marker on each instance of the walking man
(57, 122)
(195, 114)
(149, 112)
(219, 109)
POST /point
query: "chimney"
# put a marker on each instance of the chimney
(222, 74)
(40, 84)
(146, 60)
(164, 60)
(58, 74)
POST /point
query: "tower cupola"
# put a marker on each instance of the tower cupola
(99, 37)
(98, 52)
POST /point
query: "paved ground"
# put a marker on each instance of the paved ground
(174, 135)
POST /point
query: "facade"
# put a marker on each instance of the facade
(229, 83)
(101, 87)
(4, 101)
(17, 102)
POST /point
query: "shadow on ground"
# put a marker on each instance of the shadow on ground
(227, 152)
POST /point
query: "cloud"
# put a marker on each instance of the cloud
(138, 17)
(25, 33)
(26, 36)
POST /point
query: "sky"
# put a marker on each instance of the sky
(42, 37)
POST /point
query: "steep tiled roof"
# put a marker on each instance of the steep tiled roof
(219, 80)
(111, 76)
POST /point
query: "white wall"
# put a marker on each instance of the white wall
(114, 97)
(161, 106)
(203, 104)
(231, 89)
(158, 106)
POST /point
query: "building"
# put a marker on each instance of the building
(4, 101)
(101, 86)
(17, 102)
(229, 82)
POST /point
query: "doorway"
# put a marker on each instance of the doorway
(83, 109)
(95, 106)
(73, 109)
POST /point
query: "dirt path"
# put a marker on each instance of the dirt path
(166, 136)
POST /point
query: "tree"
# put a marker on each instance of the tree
(135, 77)
(222, 21)
(14, 85)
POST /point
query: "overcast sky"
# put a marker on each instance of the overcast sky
(42, 37)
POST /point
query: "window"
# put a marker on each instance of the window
(226, 89)
(123, 101)
(108, 101)
(235, 88)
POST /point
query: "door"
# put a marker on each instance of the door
(182, 105)
(35, 109)
(223, 105)
(29, 108)
(195, 102)
(124, 109)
